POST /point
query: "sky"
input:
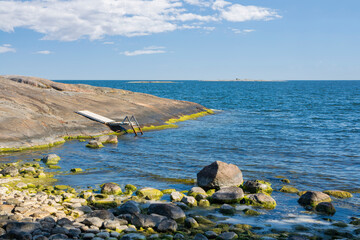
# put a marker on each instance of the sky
(181, 39)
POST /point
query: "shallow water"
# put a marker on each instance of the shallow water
(307, 131)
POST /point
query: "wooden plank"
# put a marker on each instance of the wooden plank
(95, 117)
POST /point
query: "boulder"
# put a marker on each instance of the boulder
(325, 208)
(11, 170)
(257, 186)
(145, 221)
(338, 193)
(167, 225)
(227, 209)
(94, 144)
(228, 195)
(110, 188)
(51, 159)
(149, 193)
(218, 175)
(168, 210)
(130, 207)
(260, 200)
(313, 198)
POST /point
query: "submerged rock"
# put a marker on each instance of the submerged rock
(228, 195)
(94, 144)
(168, 210)
(51, 159)
(227, 209)
(288, 189)
(218, 175)
(257, 186)
(338, 193)
(326, 208)
(260, 200)
(313, 198)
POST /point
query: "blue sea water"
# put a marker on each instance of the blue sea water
(307, 131)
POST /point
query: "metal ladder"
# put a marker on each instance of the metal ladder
(134, 124)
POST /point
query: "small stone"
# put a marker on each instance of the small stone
(88, 236)
(21, 185)
(199, 236)
(176, 196)
(93, 221)
(167, 225)
(76, 170)
(51, 159)
(251, 212)
(228, 195)
(260, 200)
(94, 144)
(130, 207)
(195, 191)
(191, 223)
(210, 234)
(179, 236)
(103, 235)
(130, 187)
(285, 180)
(338, 193)
(288, 189)
(228, 236)
(257, 186)
(190, 201)
(133, 236)
(227, 209)
(204, 203)
(149, 193)
(313, 198)
(168, 210)
(110, 188)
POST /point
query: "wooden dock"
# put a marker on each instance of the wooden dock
(128, 121)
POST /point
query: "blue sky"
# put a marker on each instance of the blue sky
(181, 39)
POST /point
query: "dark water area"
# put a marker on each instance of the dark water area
(307, 131)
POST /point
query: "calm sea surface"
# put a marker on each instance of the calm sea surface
(307, 131)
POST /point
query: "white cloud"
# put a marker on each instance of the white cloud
(6, 48)
(108, 43)
(241, 13)
(144, 51)
(45, 52)
(245, 31)
(71, 20)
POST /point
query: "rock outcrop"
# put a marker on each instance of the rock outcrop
(36, 111)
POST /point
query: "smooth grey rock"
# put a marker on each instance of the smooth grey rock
(93, 221)
(179, 236)
(27, 227)
(218, 175)
(103, 214)
(168, 210)
(227, 209)
(64, 221)
(142, 220)
(19, 235)
(228, 195)
(88, 236)
(74, 233)
(167, 225)
(199, 236)
(59, 230)
(261, 200)
(133, 236)
(176, 196)
(325, 208)
(130, 207)
(210, 234)
(228, 236)
(103, 235)
(312, 198)
(58, 237)
(11, 170)
(110, 188)
(40, 237)
(195, 191)
(189, 200)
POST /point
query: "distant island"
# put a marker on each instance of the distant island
(150, 82)
(243, 80)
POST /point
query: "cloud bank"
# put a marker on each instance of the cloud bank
(70, 20)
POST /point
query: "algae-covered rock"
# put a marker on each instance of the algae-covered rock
(190, 201)
(176, 196)
(288, 189)
(227, 209)
(218, 175)
(338, 193)
(61, 187)
(51, 159)
(149, 193)
(54, 167)
(130, 187)
(76, 170)
(167, 225)
(325, 208)
(228, 195)
(94, 144)
(10, 171)
(196, 191)
(191, 223)
(227, 236)
(285, 180)
(204, 203)
(251, 212)
(260, 200)
(107, 139)
(257, 186)
(168, 191)
(110, 188)
(313, 198)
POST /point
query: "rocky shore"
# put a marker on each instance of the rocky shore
(32, 206)
(37, 113)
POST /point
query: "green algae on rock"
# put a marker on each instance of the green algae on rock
(338, 193)
(257, 186)
(51, 159)
(289, 189)
(149, 193)
(259, 200)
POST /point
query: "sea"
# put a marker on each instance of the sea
(305, 131)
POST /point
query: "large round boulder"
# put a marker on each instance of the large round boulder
(313, 198)
(228, 195)
(218, 175)
(168, 210)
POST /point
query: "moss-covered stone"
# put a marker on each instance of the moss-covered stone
(94, 144)
(210, 192)
(289, 189)
(54, 167)
(259, 200)
(257, 186)
(168, 191)
(285, 180)
(338, 193)
(51, 159)
(204, 203)
(149, 193)
(130, 187)
(251, 212)
(61, 187)
(76, 170)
